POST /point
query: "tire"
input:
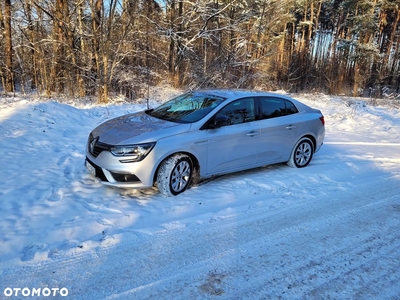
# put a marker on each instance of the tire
(302, 153)
(174, 175)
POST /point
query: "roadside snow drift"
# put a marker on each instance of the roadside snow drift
(330, 230)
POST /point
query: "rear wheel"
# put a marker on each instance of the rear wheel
(302, 153)
(174, 175)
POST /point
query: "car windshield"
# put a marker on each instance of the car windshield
(187, 108)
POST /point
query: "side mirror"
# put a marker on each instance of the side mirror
(219, 121)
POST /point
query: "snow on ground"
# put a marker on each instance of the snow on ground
(328, 231)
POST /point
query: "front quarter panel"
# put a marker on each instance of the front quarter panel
(192, 142)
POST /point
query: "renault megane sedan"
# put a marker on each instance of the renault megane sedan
(201, 134)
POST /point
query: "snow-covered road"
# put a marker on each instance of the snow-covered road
(328, 231)
(346, 246)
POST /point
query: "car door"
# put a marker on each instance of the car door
(234, 146)
(279, 127)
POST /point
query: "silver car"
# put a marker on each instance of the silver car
(201, 134)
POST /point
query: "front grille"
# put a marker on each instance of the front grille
(99, 147)
(95, 147)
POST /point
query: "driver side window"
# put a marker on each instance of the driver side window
(239, 111)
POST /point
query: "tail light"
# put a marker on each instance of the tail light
(322, 120)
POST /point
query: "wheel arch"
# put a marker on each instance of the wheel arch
(312, 138)
(292, 162)
(193, 158)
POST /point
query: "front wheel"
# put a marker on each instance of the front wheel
(174, 175)
(302, 153)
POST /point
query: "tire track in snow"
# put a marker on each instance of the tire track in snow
(325, 265)
(285, 265)
(364, 144)
(303, 249)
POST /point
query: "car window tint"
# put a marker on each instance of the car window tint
(276, 107)
(239, 111)
(272, 107)
(290, 108)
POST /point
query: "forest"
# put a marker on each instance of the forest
(98, 48)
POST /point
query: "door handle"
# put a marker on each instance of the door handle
(290, 127)
(252, 133)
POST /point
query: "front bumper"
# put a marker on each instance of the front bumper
(122, 178)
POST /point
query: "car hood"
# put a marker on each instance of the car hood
(136, 128)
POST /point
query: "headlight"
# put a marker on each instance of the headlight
(132, 152)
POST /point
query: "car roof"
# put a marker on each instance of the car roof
(238, 93)
(231, 94)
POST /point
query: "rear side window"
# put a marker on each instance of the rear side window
(290, 108)
(276, 107)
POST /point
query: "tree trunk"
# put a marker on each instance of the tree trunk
(171, 52)
(56, 62)
(31, 35)
(356, 80)
(9, 76)
(82, 45)
(97, 8)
